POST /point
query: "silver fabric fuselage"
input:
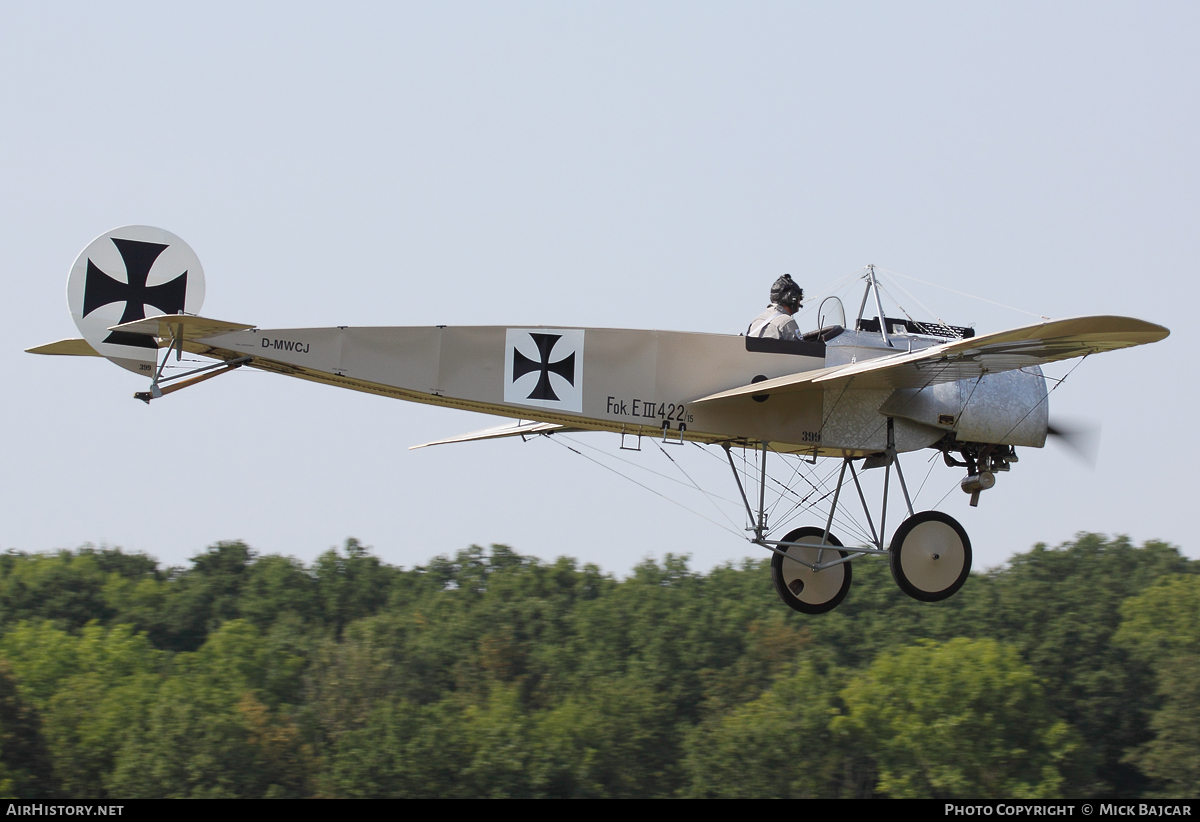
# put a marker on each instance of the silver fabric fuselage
(640, 382)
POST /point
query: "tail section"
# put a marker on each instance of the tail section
(126, 275)
(66, 348)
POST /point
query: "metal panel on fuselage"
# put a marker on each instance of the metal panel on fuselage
(631, 380)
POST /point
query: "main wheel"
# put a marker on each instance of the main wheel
(930, 556)
(802, 588)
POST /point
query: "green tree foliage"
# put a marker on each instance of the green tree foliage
(209, 730)
(778, 745)
(352, 585)
(1161, 627)
(400, 749)
(1061, 608)
(69, 588)
(89, 687)
(491, 674)
(1172, 755)
(26, 771)
(1164, 621)
(964, 718)
(615, 739)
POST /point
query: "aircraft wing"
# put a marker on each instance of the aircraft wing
(191, 327)
(970, 358)
(68, 348)
(509, 430)
(803, 381)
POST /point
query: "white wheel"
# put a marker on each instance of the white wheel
(930, 556)
(802, 588)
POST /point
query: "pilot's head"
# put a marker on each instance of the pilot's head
(786, 294)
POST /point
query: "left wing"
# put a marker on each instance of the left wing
(522, 429)
(970, 358)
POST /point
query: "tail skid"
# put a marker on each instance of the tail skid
(175, 330)
(118, 279)
(214, 370)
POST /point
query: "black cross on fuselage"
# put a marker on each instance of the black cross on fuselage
(564, 368)
(100, 289)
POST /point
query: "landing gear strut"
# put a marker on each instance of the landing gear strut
(930, 553)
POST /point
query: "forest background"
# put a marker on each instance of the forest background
(1069, 672)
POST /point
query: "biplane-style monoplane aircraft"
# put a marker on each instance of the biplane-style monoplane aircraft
(861, 393)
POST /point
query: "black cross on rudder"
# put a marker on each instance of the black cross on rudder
(100, 289)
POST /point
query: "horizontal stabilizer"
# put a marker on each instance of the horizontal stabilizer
(970, 358)
(173, 326)
(66, 348)
(500, 431)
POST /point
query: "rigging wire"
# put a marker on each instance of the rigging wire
(789, 487)
(943, 499)
(693, 482)
(903, 310)
(833, 288)
(841, 517)
(822, 487)
(642, 467)
(928, 473)
(963, 293)
(640, 484)
(802, 505)
(925, 308)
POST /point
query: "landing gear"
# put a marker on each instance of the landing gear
(930, 556)
(930, 553)
(805, 579)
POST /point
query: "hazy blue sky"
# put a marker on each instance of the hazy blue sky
(641, 165)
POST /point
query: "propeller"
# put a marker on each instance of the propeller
(1081, 439)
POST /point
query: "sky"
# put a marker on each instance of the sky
(615, 164)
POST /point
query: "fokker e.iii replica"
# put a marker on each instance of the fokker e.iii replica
(862, 394)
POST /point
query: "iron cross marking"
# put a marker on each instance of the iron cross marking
(564, 368)
(100, 289)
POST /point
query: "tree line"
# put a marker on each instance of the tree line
(1072, 671)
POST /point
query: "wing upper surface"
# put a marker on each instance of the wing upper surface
(802, 381)
(970, 358)
(166, 326)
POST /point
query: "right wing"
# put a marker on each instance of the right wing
(970, 358)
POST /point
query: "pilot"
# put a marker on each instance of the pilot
(776, 322)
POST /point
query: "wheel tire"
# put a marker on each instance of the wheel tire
(930, 556)
(820, 591)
